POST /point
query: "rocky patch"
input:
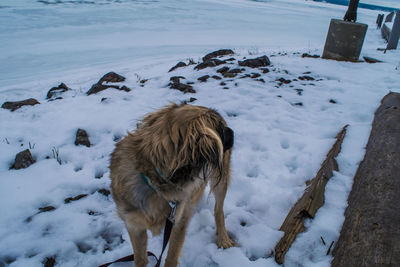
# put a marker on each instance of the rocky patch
(310, 56)
(18, 104)
(70, 199)
(203, 78)
(255, 62)
(209, 63)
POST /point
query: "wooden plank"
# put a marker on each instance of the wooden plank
(370, 235)
(310, 202)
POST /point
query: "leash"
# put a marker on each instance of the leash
(169, 223)
(167, 234)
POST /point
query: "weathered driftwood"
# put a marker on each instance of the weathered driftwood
(310, 202)
(370, 235)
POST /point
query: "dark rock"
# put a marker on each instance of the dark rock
(104, 192)
(124, 88)
(299, 91)
(245, 76)
(176, 79)
(97, 87)
(219, 53)
(372, 60)
(223, 69)
(237, 70)
(307, 78)
(260, 80)
(111, 77)
(192, 99)
(55, 92)
(283, 80)
(70, 199)
(46, 209)
(255, 75)
(179, 65)
(185, 88)
(190, 83)
(215, 77)
(307, 72)
(82, 138)
(229, 74)
(203, 78)
(308, 55)
(226, 88)
(222, 83)
(256, 62)
(23, 160)
(103, 99)
(298, 104)
(209, 63)
(49, 262)
(17, 104)
(332, 101)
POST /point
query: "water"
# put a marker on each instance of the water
(360, 5)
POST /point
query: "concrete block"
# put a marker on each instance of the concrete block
(344, 40)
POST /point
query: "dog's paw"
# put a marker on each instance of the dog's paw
(226, 242)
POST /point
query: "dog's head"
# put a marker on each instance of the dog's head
(185, 136)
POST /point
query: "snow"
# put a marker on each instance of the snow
(278, 145)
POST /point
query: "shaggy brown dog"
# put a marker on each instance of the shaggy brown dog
(170, 157)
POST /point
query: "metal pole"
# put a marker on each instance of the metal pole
(351, 14)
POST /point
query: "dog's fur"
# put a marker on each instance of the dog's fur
(188, 146)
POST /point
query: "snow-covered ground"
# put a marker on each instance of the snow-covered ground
(279, 143)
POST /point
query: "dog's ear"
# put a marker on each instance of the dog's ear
(210, 147)
(228, 138)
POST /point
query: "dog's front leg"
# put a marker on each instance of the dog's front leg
(138, 238)
(178, 235)
(223, 240)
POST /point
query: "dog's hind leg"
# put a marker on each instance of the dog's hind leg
(138, 238)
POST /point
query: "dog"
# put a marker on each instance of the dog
(171, 157)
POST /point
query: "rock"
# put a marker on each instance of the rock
(209, 63)
(179, 65)
(203, 78)
(256, 62)
(300, 104)
(308, 55)
(229, 74)
(332, 101)
(283, 80)
(70, 199)
(111, 77)
(218, 53)
(49, 262)
(185, 88)
(46, 209)
(255, 75)
(222, 83)
(17, 104)
(55, 92)
(372, 60)
(97, 87)
(104, 192)
(260, 80)
(299, 91)
(176, 79)
(23, 160)
(223, 69)
(82, 138)
(237, 70)
(307, 78)
(192, 99)
(215, 77)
